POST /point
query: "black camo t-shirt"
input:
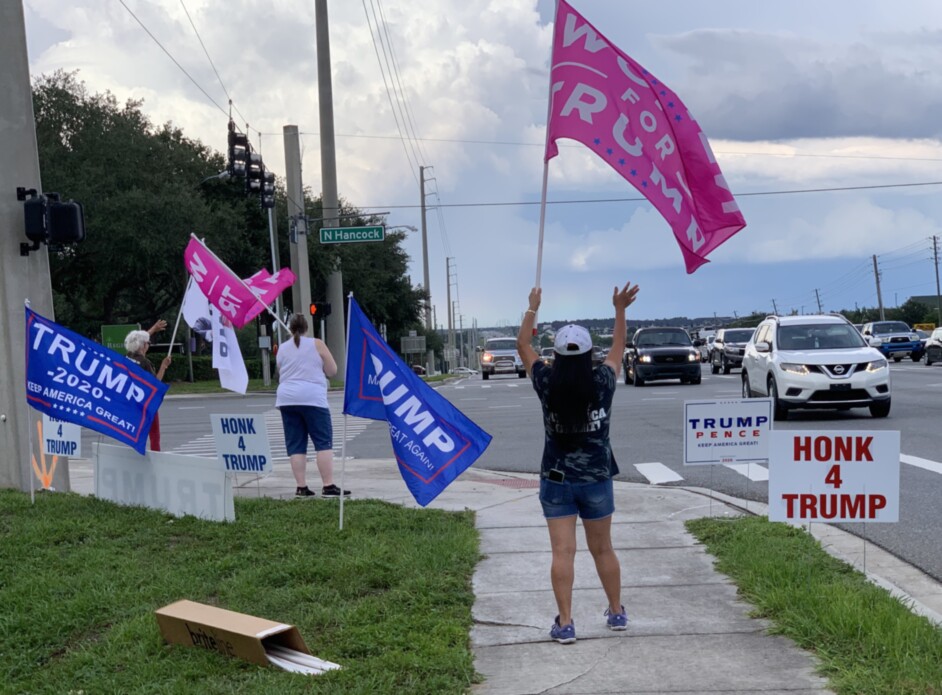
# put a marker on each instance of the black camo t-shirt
(591, 460)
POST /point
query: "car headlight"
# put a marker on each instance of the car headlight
(876, 342)
(645, 358)
(794, 368)
(693, 357)
(914, 337)
(487, 357)
(876, 365)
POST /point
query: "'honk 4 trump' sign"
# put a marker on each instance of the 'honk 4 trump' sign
(433, 441)
(77, 380)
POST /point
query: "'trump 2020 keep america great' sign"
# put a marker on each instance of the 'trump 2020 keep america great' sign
(77, 380)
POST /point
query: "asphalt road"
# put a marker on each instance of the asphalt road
(646, 431)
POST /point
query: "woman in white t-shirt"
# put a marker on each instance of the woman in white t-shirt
(303, 366)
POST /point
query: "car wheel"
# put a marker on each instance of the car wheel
(880, 408)
(928, 360)
(696, 380)
(897, 359)
(522, 374)
(636, 379)
(917, 358)
(485, 375)
(746, 391)
(726, 366)
(779, 411)
(625, 370)
(714, 368)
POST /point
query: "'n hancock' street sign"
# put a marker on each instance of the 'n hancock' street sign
(351, 235)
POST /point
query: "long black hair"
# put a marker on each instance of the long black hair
(571, 393)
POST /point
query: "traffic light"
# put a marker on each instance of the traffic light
(321, 309)
(254, 171)
(238, 151)
(268, 190)
(49, 220)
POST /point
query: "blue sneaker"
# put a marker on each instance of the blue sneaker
(563, 634)
(617, 621)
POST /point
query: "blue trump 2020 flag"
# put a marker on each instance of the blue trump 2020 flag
(77, 380)
(433, 441)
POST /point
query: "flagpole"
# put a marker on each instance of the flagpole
(241, 282)
(343, 445)
(179, 314)
(549, 113)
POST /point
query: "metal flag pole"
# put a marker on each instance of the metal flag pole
(32, 458)
(343, 445)
(179, 314)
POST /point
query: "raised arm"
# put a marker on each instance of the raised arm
(330, 364)
(621, 299)
(525, 337)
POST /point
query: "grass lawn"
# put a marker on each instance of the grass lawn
(389, 598)
(868, 643)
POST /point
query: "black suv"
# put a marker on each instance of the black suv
(661, 353)
(728, 346)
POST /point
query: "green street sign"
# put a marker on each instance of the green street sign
(349, 235)
(112, 336)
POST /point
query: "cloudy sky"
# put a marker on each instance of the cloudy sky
(824, 117)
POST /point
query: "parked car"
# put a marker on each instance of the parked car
(894, 339)
(934, 347)
(500, 357)
(661, 353)
(418, 369)
(817, 361)
(464, 371)
(728, 346)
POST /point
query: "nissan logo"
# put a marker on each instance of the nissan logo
(839, 369)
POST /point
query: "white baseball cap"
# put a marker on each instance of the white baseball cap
(572, 340)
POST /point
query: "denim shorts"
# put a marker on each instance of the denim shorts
(590, 501)
(303, 421)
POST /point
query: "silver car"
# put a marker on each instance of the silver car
(500, 357)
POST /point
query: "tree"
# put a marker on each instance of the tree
(140, 188)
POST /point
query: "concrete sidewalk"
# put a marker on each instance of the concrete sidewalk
(688, 632)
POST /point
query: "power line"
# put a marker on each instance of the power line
(213, 65)
(169, 55)
(585, 201)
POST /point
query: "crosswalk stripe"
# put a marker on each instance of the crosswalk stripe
(933, 466)
(205, 445)
(753, 471)
(657, 473)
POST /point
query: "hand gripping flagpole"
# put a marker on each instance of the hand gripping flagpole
(343, 445)
(242, 282)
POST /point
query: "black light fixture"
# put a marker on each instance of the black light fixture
(239, 149)
(268, 190)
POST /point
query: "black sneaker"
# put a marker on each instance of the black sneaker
(333, 491)
(304, 492)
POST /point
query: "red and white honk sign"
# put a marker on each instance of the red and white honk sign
(834, 476)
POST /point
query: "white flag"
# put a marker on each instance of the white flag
(204, 319)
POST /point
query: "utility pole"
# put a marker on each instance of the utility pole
(876, 274)
(297, 220)
(818, 297)
(774, 308)
(21, 277)
(430, 355)
(938, 294)
(336, 338)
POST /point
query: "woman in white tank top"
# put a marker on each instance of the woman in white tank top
(304, 366)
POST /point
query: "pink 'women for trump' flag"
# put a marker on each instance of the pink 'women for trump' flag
(605, 100)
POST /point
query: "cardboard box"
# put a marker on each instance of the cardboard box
(235, 634)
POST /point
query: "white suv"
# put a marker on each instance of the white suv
(818, 361)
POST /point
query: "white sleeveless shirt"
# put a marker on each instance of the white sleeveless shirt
(301, 379)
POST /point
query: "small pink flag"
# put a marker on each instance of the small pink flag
(267, 287)
(612, 105)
